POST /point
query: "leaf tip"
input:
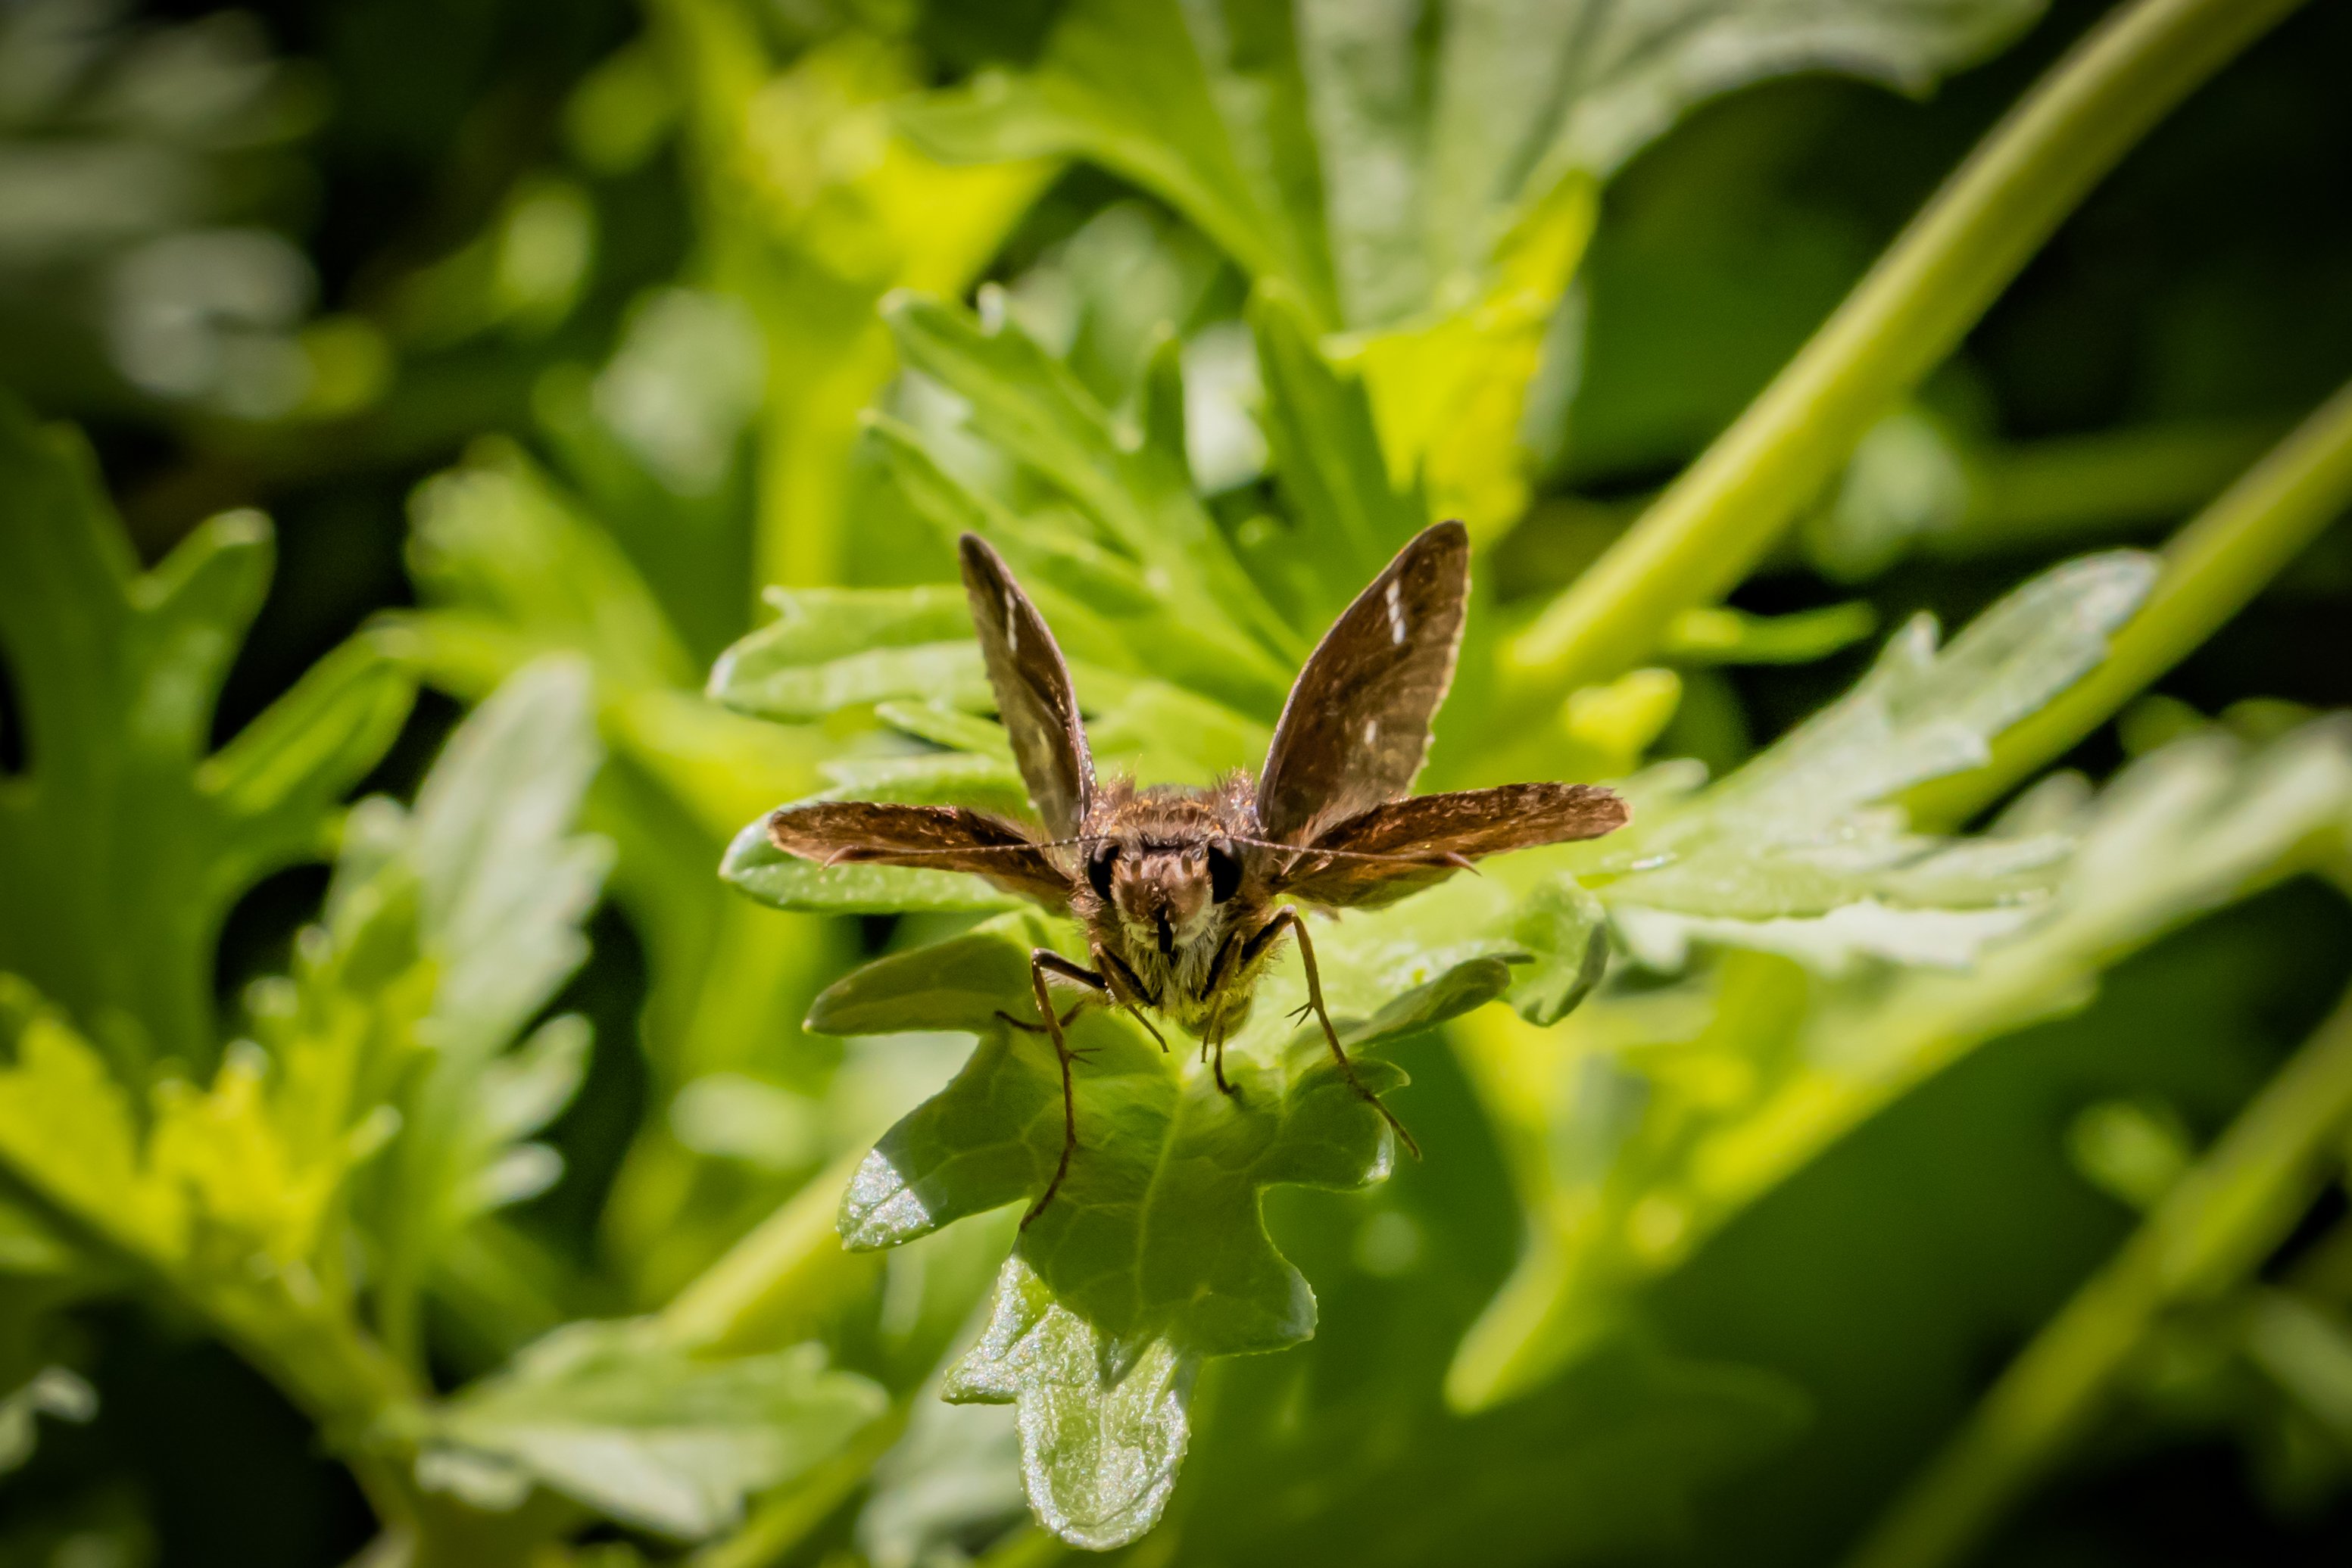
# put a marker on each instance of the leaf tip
(878, 1208)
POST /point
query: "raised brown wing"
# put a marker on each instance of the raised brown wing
(1356, 728)
(1439, 833)
(935, 838)
(1033, 693)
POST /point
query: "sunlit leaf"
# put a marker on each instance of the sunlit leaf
(1426, 190)
(69, 1130)
(607, 1414)
(1152, 1256)
(1796, 854)
(124, 844)
(502, 885)
(829, 649)
(1136, 497)
(1102, 1424)
(497, 537)
(1690, 1102)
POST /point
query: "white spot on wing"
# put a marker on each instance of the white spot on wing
(1396, 613)
(1012, 625)
(1371, 732)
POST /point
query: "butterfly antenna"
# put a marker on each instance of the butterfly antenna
(855, 851)
(1433, 858)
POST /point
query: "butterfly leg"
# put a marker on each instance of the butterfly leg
(1288, 917)
(1026, 1027)
(1044, 961)
(1218, 1047)
(1126, 988)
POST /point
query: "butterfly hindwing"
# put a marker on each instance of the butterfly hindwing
(934, 838)
(1431, 836)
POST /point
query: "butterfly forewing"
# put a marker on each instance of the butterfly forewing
(1424, 839)
(1033, 695)
(1356, 728)
(935, 838)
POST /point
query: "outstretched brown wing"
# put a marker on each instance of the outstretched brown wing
(1439, 833)
(935, 838)
(1033, 695)
(1356, 728)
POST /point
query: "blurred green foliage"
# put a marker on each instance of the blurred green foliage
(435, 1129)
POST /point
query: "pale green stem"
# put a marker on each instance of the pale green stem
(2043, 495)
(774, 1285)
(787, 1518)
(2212, 569)
(1716, 521)
(2208, 1235)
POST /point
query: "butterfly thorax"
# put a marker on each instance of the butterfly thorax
(1167, 891)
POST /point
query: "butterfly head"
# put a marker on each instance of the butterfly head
(1165, 895)
(1160, 866)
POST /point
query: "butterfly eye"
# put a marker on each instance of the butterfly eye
(1098, 869)
(1224, 871)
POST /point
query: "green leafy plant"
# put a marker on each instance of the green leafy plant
(127, 836)
(702, 355)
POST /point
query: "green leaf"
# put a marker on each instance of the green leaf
(497, 537)
(1368, 169)
(1348, 518)
(955, 1475)
(69, 1130)
(1796, 854)
(1104, 606)
(944, 726)
(512, 568)
(1136, 499)
(1655, 1115)
(939, 777)
(1640, 70)
(501, 885)
(1125, 82)
(1152, 1256)
(958, 984)
(217, 1186)
(1103, 1430)
(833, 648)
(229, 1199)
(123, 845)
(296, 759)
(610, 1416)
(1425, 188)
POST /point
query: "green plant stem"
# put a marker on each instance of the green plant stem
(2212, 569)
(2058, 493)
(2210, 1233)
(1996, 210)
(774, 1285)
(785, 1520)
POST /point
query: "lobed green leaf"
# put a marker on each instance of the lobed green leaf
(611, 1415)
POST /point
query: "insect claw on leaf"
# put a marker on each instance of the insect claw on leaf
(1026, 1027)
